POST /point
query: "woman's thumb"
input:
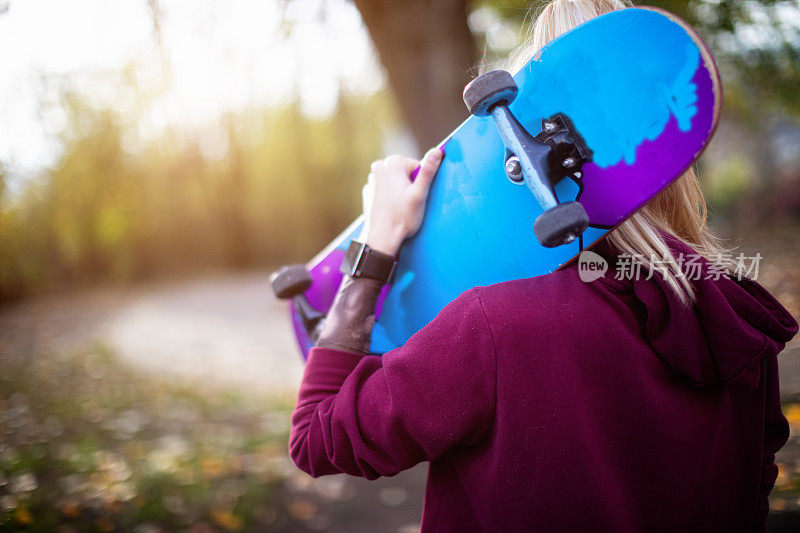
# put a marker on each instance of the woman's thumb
(428, 167)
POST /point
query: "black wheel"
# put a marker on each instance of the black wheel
(488, 90)
(561, 224)
(291, 281)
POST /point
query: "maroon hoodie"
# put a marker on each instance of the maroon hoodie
(552, 404)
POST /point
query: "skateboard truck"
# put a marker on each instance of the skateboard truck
(290, 283)
(538, 161)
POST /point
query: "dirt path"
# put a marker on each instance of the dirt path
(227, 330)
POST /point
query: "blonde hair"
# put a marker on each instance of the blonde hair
(680, 209)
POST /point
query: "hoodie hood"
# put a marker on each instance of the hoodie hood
(722, 338)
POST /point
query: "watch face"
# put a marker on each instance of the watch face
(352, 257)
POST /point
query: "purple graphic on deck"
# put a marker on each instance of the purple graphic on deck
(608, 200)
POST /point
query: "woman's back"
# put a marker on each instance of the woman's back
(550, 403)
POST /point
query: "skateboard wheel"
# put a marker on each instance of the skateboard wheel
(561, 224)
(291, 281)
(488, 90)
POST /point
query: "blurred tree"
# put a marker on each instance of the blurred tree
(427, 50)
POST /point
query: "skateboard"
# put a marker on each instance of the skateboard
(597, 123)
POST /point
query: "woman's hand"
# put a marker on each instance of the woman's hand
(393, 205)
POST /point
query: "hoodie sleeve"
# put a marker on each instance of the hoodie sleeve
(374, 416)
(776, 433)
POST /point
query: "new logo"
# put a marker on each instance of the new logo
(591, 266)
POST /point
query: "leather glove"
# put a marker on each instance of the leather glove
(348, 326)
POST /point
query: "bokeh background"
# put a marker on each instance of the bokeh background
(158, 158)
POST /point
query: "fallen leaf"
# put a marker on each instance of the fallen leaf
(302, 509)
(226, 519)
(23, 516)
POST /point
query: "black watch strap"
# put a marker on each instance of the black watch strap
(361, 261)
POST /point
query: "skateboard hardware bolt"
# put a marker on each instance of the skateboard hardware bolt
(569, 162)
(549, 127)
(514, 169)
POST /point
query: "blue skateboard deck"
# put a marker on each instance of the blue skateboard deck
(641, 88)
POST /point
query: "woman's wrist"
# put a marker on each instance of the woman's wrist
(386, 242)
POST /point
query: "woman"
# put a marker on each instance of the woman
(552, 404)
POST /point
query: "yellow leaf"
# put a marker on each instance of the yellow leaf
(783, 479)
(23, 516)
(226, 519)
(211, 467)
(304, 510)
(792, 414)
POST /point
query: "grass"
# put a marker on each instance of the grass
(89, 445)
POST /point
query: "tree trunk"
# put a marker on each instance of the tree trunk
(427, 50)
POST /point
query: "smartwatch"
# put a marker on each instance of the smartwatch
(361, 261)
